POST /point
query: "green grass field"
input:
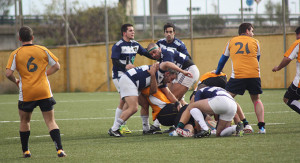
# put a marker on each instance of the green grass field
(84, 119)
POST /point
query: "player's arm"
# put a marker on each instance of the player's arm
(166, 65)
(10, 75)
(221, 63)
(53, 69)
(171, 97)
(144, 52)
(183, 50)
(285, 61)
(153, 82)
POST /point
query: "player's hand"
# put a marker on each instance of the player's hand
(188, 74)
(275, 69)
(17, 82)
(129, 66)
(153, 69)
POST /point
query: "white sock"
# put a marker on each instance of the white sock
(198, 116)
(118, 114)
(117, 124)
(156, 123)
(228, 131)
(146, 126)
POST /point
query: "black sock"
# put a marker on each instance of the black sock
(55, 135)
(294, 107)
(261, 124)
(180, 125)
(245, 122)
(24, 136)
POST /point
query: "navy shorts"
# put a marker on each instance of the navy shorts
(239, 86)
(167, 115)
(44, 104)
(293, 93)
(177, 119)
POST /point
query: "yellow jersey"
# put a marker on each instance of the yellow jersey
(243, 51)
(31, 62)
(293, 53)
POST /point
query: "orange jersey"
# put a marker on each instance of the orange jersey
(293, 53)
(209, 75)
(157, 101)
(243, 51)
(31, 62)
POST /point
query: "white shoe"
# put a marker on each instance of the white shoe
(184, 132)
(248, 129)
(262, 130)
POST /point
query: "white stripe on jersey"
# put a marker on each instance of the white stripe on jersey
(13, 65)
(51, 61)
(294, 53)
(129, 49)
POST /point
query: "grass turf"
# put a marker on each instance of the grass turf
(84, 119)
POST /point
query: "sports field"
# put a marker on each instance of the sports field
(84, 119)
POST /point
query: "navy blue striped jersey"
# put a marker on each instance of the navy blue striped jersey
(141, 78)
(180, 59)
(175, 45)
(125, 52)
(210, 92)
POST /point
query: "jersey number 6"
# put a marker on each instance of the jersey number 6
(30, 63)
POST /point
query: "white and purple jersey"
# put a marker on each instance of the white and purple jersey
(175, 45)
(180, 59)
(210, 92)
(125, 53)
(141, 78)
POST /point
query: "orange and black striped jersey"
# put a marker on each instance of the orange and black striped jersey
(293, 53)
(157, 101)
(243, 51)
(31, 62)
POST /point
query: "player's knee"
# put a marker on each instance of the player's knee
(285, 100)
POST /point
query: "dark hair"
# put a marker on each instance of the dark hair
(297, 30)
(168, 25)
(243, 28)
(25, 33)
(124, 28)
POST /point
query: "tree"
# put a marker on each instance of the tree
(209, 24)
(87, 24)
(4, 6)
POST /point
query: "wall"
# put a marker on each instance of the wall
(88, 63)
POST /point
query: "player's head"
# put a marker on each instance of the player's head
(170, 75)
(169, 32)
(127, 31)
(246, 29)
(154, 51)
(297, 33)
(25, 34)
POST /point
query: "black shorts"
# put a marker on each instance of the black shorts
(293, 93)
(167, 115)
(238, 86)
(177, 119)
(44, 104)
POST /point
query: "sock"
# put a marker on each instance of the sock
(117, 124)
(118, 114)
(295, 105)
(198, 116)
(228, 131)
(24, 136)
(180, 125)
(245, 122)
(261, 124)
(55, 135)
(145, 121)
(156, 123)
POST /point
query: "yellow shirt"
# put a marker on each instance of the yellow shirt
(157, 101)
(293, 53)
(243, 51)
(31, 62)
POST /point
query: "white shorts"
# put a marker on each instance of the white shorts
(187, 81)
(116, 81)
(224, 106)
(127, 87)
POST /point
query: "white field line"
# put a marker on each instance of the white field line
(62, 101)
(99, 118)
(38, 136)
